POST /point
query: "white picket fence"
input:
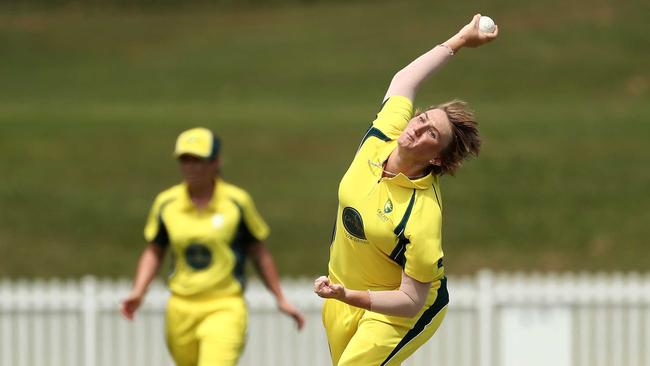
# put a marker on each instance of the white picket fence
(493, 320)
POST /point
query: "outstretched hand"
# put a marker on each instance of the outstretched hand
(328, 290)
(473, 37)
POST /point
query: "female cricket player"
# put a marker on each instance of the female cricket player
(210, 226)
(386, 292)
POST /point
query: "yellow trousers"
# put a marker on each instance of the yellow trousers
(359, 337)
(206, 332)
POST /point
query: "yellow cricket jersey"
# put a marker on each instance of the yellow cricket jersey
(386, 225)
(208, 245)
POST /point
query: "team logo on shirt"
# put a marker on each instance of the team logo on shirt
(388, 207)
(198, 256)
(217, 220)
(353, 223)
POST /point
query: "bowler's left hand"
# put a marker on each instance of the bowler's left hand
(324, 288)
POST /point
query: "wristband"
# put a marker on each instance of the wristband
(451, 52)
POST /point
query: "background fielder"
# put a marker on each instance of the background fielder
(210, 226)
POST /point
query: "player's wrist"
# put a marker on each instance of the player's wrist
(344, 295)
(447, 48)
(137, 293)
(281, 302)
(455, 43)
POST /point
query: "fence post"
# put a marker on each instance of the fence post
(89, 316)
(6, 331)
(485, 305)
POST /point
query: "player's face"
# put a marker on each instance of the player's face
(196, 170)
(426, 135)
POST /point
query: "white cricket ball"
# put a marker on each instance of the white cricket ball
(486, 24)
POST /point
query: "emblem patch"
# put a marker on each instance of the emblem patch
(217, 220)
(198, 256)
(353, 223)
(388, 207)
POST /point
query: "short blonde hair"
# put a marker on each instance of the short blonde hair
(465, 142)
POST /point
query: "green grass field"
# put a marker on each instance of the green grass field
(93, 98)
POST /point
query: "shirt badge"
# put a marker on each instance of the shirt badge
(388, 207)
(217, 220)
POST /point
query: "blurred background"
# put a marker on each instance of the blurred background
(94, 93)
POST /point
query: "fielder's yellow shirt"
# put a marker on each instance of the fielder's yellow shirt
(208, 245)
(386, 225)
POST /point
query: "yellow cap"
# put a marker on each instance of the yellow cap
(199, 142)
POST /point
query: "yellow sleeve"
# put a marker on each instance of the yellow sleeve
(424, 252)
(252, 219)
(395, 114)
(154, 229)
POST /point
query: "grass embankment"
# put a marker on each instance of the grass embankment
(92, 100)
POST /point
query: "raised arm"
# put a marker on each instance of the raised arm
(407, 81)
